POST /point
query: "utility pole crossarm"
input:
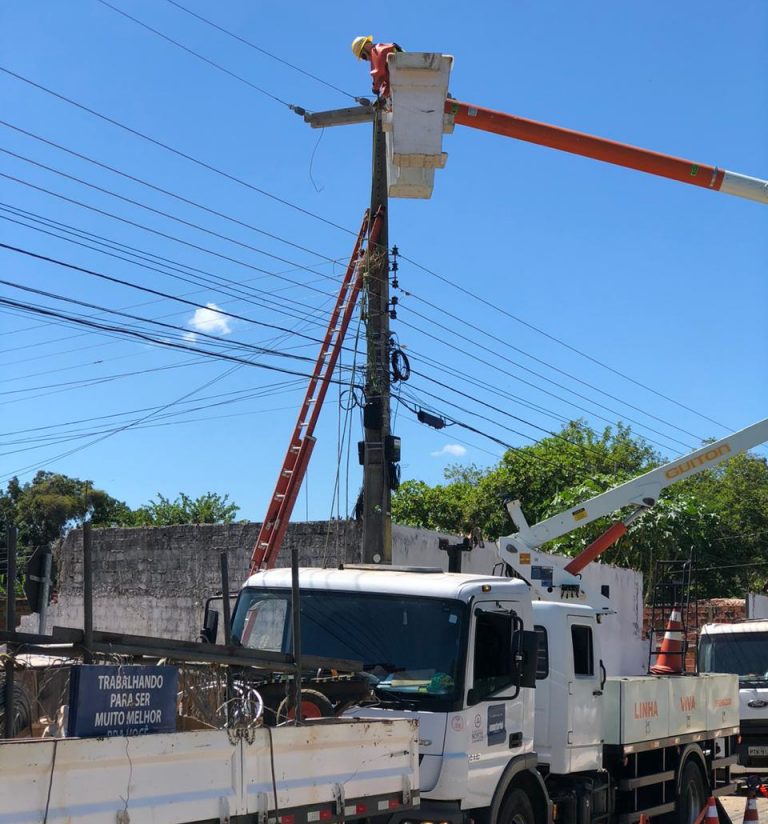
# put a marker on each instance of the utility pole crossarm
(641, 492)
(340, 117)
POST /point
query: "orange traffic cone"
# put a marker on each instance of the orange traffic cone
(712, 816)
(750, 811)
(670, 659)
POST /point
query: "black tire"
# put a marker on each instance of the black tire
(693, 793)
(313, 705)
(22, 709)
(516, 809)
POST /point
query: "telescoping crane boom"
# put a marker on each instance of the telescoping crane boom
(609, 151)
(641, 492)
(420, 111)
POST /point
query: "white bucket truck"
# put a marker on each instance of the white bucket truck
(518, 723)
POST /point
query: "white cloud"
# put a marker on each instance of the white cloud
(455, 450)
(210, 320)
(190, 336)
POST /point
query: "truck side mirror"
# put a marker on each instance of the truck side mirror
(210, 625)
(530, 659)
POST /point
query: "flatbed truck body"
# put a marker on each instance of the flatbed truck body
(329, 770)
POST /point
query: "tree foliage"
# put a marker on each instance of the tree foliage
(209, 508)
(718, 518)
(46, 507)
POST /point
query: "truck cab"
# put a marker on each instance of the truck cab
(741, 648)
(456, 651)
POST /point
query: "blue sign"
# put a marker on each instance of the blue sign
(107, 700)
(497, 724)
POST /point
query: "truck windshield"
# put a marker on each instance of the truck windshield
(743, 653)
(410, 647)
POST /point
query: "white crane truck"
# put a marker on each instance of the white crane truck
(517, 720)
(518, 723)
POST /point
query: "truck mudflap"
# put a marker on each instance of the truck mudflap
(191, 777)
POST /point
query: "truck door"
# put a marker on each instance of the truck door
(585, 716)
(497, 726)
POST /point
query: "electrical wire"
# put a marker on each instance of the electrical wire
(160, 212)
(268, 390)
(559, 341)
(148, 290)
(132, 333)
(569, 375)
(209, 280)
(160, 189)
(263, 51)
(201, 163)
(198, 55)
(147, 228)
(426, 269)
(542, 390)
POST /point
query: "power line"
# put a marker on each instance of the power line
(209, 280)
(212, 401)
(555, 369)
(132, 333)
(151, 230)
(263, 51)
(561, 342)
(160, 189)
(201, 163)
(146, 289)
(531, 456)
(544, 378)
(496, 390)
(233, 178)
(160, 212)
(199, 56)
(583, 448)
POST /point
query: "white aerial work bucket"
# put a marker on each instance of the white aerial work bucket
(416, 122)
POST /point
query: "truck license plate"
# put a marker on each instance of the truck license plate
(757, 750)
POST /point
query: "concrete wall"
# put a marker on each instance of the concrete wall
(154, 581)
(757, 605)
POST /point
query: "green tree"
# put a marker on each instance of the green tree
(535, 475)
(44, 508)
(210, 508)
(719, 518)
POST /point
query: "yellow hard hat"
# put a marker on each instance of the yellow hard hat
(358, 43)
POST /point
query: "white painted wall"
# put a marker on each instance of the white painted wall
(624, 651)
(757, 605)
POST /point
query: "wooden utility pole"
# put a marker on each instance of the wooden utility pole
(376, 453)
(377, 523)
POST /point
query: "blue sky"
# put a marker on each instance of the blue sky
(662, 286)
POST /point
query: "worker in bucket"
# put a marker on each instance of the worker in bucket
(364, 49)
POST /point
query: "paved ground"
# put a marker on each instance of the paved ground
(735, 804)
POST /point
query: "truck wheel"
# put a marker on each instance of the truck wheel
(516, 809)
(313, 705)
(693, 794)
